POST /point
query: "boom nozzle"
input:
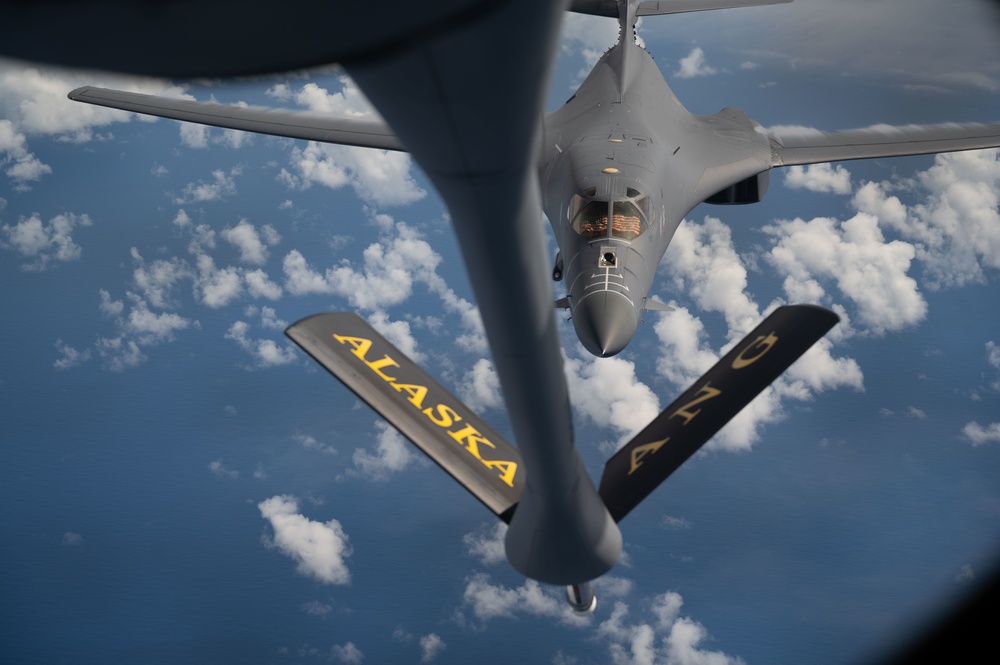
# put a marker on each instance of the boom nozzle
(581, 598)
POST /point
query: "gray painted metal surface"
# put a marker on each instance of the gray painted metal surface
(444, 428)
(361, 132)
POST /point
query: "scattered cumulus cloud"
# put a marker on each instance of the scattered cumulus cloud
(386, 277)
(954, 228)
(221, 186)
(220, 470)
(671, 522)
(251, 243)
(979, 435)
(72, 539)
(19, 163)
(391, 454)
(380, 177)
(309, 442)
(870, 272)
(821, 178)
(693, 65)
(664, 635)
(609, 394)
(480, 387)
(347, 653)
(320, 549)
(488, 601)
(44, 243)
(69, 357)
(119, 354)
(486, 543)
(705, 265)
(264, 352)
(431, 646)
(316, 608)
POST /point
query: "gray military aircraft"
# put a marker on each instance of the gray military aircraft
(619, 165)
(615, 170)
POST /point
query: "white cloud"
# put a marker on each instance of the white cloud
(157, 280)
(979, 435)
(870, 272)
(148, 327)
(21, 165)
(480, 387)
(706, 266)
(349, 100)
(119, 353)
(381, 177)
(265, 352)
(665, 636)
(609, 394)
(311, 443)
(671, 522)
(220, 470)
(392, 454)
(693, 65)
(320, 549)
(822, 178)
(316, 608)
(390, 269)
(216, 287)
(268, 317)
(44, 243)
(72, 539)
(955, 227)
(431, 647)
(993, 354)
(35, 98)
(486, 543)
(398, 333)
(347, 653)
(244, 236)
(668, 638)
(70, 357)
(34, 102)
(259, 285)
(490, 601)
(222, 186)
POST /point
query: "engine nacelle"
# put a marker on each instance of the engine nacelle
(750, 190)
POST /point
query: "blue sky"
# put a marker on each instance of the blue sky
(184, 485)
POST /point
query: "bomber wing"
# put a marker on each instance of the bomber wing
(363, 132)
(810, 146)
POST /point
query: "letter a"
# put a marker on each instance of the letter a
(645, 449)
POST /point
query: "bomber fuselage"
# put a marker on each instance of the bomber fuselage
(620, 169)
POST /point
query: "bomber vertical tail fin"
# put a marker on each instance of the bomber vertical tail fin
(610, 8)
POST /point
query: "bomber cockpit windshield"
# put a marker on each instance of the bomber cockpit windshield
(596, 219)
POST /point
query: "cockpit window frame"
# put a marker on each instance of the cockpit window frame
(625, 218)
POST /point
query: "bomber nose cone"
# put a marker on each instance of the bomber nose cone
(605, 322)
